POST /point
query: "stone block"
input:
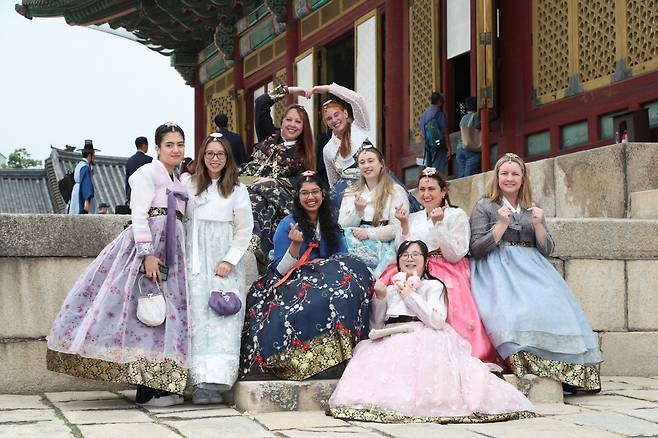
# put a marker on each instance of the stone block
(650, 414)
(111, 416)
(542, 181)
(642, 290)
(609, 239)
(281, 395)
(94, 405)
(333, 432)
(297, 420)
(641, 165)
(57, 235)
(600, 287)
(23, 371)
(9, 401)
(629, 354)
(131, 430)
(66, 396)
(25, 415)
(591, 183)
(643, 205)
(32, 292)
(51, 429)
(537, 389)
(242, 427)
(215, 411)
(465, 192)
(538, 428)
(423, 430)
(612, 422)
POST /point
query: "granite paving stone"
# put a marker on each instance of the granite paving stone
(550, 409)
(110, 416)
(612, 422)
(604, 401)
(650, 414)
(200, 413)
(297, 420)
(9, 401)
(86, 405)
(539, 428)
(644, 394)
(330, 432)
(133, 430)
(79, 395)
(181, 408)
(644, 382)
(49, 429)
(242, 427)
(27, 415)
(424, 430)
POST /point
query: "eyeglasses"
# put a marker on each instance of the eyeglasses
(315, 193)
(220, 155)
(410, 255)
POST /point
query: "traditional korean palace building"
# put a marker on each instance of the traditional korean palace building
(549, 74)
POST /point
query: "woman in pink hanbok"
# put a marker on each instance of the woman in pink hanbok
(416, 368)
(446, 232)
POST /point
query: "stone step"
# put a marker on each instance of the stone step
(643, 205)
(282, 395)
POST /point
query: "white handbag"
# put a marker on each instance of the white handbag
(151, 307)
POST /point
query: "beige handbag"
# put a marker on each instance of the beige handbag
(151, 307)
(471, 136)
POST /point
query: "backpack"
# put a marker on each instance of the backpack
(433, 134)
(66, 186)
(471, 136)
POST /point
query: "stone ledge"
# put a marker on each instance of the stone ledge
(597, 238)
(629, 354)
(57, 235)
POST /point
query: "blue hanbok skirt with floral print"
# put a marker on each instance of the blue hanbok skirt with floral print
(311, 322)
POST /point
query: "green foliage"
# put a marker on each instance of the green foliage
(21, 159)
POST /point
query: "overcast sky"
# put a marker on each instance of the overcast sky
(62, 84)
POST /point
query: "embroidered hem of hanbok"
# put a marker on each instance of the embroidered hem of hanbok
(585, 377)
(309, 323)
(379, 415)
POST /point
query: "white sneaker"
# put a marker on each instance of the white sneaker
(164, 400)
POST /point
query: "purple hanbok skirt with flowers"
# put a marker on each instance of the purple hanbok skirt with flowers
(97, 335)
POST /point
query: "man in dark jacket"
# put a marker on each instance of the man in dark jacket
(237, 146)
(136, 161)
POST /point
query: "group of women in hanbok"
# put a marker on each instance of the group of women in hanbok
(355, 273)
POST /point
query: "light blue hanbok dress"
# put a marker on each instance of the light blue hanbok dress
(531, 315)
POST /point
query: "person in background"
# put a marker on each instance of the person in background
(532, 316)
(82, 196)
(103, 208)
(433, 126)
(138, 159)
(187, 166)
(234, 139)
(469, 151)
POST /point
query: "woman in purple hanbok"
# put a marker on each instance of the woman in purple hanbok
(96, 334)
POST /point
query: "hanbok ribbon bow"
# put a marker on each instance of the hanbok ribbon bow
(302, 260)
(170, 237)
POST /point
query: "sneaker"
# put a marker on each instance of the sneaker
(202, 396)
(161, 399)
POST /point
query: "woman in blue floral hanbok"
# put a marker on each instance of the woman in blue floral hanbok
(310, 309)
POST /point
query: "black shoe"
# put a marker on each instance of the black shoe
(144, 394)
(575, 390)
(156, 397)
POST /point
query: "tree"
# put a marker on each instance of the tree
(21, 159)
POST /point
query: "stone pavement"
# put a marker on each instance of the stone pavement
(627, 407)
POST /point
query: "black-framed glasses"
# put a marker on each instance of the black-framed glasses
(221, 155)
(411, 255)
(307, 193)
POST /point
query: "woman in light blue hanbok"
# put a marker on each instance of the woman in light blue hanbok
(367, 213)
(532, 317)
(218, 234)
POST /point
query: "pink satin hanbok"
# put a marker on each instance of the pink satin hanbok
(448, 244)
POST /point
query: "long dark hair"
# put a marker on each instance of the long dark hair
(305, 148)
(166, 128)
(424, 250)
(329, 227)
(228, 176)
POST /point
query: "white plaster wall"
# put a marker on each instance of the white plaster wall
(458, 18)
(367, 63)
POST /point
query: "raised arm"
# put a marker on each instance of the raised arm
(483, 227)
(262, 115)
(359, 109)
(328, 158)
(452, 235)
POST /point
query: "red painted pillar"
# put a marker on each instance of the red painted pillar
(394, 89)
(199, 113)
(238, 84)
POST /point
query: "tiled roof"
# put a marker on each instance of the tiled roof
(24, 191)
(36, 190)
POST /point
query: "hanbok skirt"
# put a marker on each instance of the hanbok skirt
(97, 335)
(270, 202)
(463, 315)
(533, 318)
(309, 323)
(426, 375)
(215, 339)
(375, 253)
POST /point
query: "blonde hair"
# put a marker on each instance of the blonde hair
(385, 186)
(525, 192)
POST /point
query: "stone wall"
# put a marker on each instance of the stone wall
(592, 183)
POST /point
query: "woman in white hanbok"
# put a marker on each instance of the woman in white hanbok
(218, 235)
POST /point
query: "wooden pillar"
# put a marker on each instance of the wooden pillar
(199, 113)
(292, 48)
(394, 89)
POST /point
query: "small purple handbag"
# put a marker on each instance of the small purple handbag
(224, 303)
